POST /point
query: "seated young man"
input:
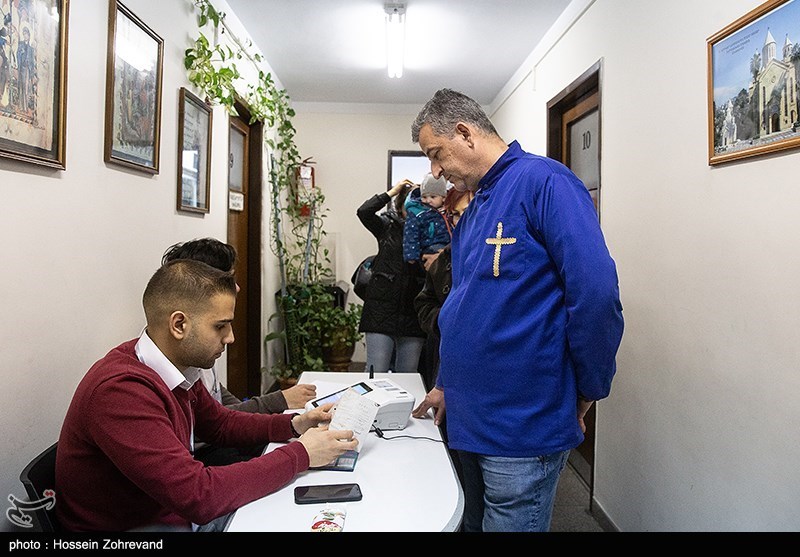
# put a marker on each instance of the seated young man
(125, 452)
(222, 256)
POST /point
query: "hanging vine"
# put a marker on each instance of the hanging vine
(304, 304)
(212, 69)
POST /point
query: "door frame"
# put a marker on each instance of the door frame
(579, 98)
(254, 208)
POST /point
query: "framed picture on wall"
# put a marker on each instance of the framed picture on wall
(753, 68)
(33, 81)
(133, 91)
(194, 153)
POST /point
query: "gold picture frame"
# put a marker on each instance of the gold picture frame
(753, 93)
(33, 81)
(133, 91)
(194, 153)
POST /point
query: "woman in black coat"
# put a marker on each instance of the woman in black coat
(389, 319)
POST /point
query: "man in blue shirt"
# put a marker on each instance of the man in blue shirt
(532, 324)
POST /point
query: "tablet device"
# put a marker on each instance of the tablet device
(360, 388)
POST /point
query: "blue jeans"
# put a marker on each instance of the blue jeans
(507, 494)
(381, 347)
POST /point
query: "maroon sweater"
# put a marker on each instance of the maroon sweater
(123, 457)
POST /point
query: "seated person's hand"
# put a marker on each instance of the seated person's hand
(325, 445)
(298, 395)
(312, 418)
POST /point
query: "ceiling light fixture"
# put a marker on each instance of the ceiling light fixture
(395, 35)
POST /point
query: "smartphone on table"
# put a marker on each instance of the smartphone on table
(329, 493)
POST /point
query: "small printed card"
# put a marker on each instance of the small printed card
(345, 463)
(329, 519)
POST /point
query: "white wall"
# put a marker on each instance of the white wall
(698, 433)
(79, 245)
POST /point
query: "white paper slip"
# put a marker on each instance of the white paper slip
(356, 413)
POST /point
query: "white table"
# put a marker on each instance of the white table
(409, 485)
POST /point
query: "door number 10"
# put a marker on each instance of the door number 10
(587, 140)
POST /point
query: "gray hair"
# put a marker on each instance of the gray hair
(446, 109)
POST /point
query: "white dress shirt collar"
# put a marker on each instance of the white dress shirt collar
(150, 355)
(211, 383)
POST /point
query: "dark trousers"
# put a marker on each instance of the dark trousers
(222, 456)
(472, 481)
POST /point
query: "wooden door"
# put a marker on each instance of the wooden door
(244, 233)
(574, 139)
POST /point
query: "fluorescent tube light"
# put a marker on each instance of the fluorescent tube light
(395, 36)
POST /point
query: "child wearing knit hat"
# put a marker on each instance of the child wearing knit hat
(432, 191)
(426, 229)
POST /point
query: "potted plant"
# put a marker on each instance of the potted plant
(339, 335)
(318, 334)
(299, 309)
(306, 277)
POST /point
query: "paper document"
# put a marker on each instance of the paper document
(355, 412)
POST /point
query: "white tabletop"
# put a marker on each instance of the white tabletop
(409, 484)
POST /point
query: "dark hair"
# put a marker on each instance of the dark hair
(210, 251)
(400, 200)
(184, 284)
(446, 109)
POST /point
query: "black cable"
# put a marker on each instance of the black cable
(380, 434)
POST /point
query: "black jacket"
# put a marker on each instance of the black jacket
(389, 304)
(429, 301)
(438, 282)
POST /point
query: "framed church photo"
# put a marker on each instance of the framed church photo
(753, 67)
(194, 153)
(33, 81)
(133, 91)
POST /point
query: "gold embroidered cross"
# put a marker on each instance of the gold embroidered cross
(498, 242)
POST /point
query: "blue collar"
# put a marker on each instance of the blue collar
(513, 153)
